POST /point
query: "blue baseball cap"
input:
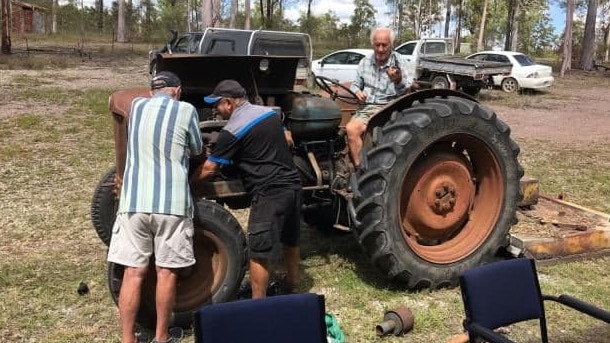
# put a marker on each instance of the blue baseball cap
(225, 89)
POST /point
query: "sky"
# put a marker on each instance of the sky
(345, 8)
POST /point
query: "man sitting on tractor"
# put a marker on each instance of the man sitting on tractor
(380, 79)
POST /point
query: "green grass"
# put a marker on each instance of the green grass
(54, 155)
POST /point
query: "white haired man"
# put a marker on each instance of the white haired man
(381, 78)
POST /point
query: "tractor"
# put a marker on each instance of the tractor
(436, 193)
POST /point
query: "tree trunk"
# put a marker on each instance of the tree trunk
(607, 45)
(247, 15)
(233, 19)
(100, 15)
(418, 21)
(216, 13)
(458, 29)
(515, 29)
(54, 7)
(207, 14)
(567, 39)
(121, 31)
(189, 5)
(588, 44)
(482, 27)
(512, 25)
(447, 17)
(269, 21)
(6, 28)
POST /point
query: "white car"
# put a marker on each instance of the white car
(340, 65)
(526, 73)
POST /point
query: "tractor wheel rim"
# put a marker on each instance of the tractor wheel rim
(206, 276)
(451, 199)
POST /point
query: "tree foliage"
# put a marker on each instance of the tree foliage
(530, 25)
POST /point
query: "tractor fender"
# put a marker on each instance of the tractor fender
(406, 101)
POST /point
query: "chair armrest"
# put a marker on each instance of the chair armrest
(581, 306)
(485, 333)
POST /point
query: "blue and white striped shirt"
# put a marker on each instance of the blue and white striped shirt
(162, 134)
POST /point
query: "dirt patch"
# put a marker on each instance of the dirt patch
(87, 76)
(574, 115)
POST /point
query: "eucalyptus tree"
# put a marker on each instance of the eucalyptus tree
(362, 23)
(233, 15)
(482, 25)
(567, 38)
(121, 30)
(588, 47)
(536, 32)
(605, 21)
(512, 24)
(6, 29)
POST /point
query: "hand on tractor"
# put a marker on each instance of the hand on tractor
(361, 95)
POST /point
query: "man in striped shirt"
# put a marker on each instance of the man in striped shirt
(380, 78)
(156, 208)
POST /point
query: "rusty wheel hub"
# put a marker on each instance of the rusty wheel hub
(440, 200)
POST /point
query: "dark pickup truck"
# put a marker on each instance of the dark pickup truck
(236, 42)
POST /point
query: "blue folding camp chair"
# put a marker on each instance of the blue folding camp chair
(294, 318)
(507, 292)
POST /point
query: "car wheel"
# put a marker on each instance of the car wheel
(440, 82)
(510, 85)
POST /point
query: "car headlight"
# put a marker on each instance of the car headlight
(532, 75)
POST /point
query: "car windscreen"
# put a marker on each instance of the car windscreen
(524, 60)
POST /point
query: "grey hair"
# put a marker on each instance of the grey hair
(392, 35)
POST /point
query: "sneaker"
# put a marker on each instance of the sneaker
(175, 336)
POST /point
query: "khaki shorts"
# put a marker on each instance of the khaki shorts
(365, 113)
(136, 236)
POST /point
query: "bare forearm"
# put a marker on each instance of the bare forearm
(204, 172)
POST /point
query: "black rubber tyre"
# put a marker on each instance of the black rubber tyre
(104, 206)
(220, 250)
(440, 82)
(153, 68)
(438, 193)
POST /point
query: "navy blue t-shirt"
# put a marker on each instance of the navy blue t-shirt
(254, 141)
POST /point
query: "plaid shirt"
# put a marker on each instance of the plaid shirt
(373, 80)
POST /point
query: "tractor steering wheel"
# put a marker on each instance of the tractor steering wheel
(327, 85)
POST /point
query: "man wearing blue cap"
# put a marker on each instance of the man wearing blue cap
(155, 209)
(254, 140)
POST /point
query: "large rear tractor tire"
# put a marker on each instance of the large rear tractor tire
(220, 251)
(439, 191)
(104, 206)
